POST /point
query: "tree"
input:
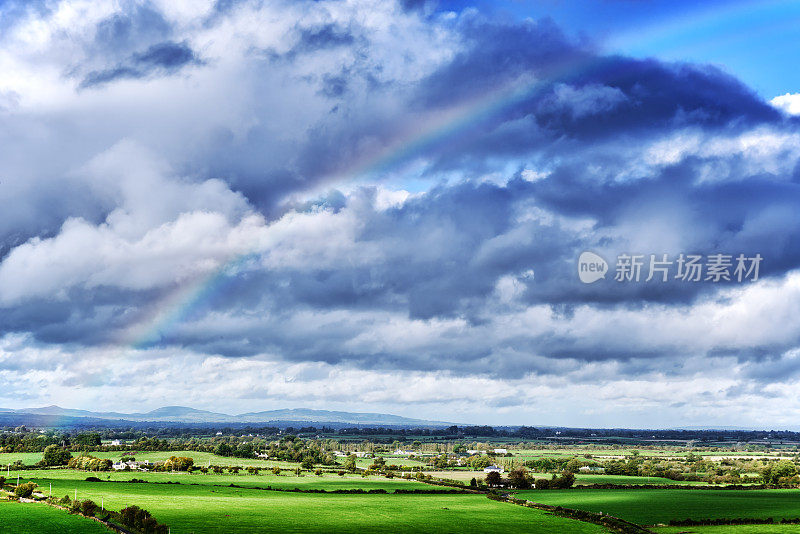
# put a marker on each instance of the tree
(308, 463)
(55, 455)
(518, 478)
(88, 439)
(493, 478)
(481, 462)
(573, 465)
(350, 463)
(566, 480)
(223, 449)
(178, 463)
(784, 469)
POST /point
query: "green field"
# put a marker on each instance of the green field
(648, 507)
(38, 518)
(27, 458)
(731, 529)
(590, 478)
(205, 509)
(308, 481)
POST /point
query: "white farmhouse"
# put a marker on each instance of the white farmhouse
(501, 451)
(494, 469)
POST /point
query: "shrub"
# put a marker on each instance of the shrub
(142, 520)
(90, 463)
(88, 508)
(25, 489)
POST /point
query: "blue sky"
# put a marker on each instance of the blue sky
(380, 206)
(756, 41)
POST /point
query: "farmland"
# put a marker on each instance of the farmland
(653, 506)
(37, 518)
(205, 508)
(269, 480)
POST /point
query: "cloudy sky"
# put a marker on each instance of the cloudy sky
(377, 206)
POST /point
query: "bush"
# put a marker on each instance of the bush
(25, 490)
(88, 508)
(140, 519)
(90, 463)
(65, 500)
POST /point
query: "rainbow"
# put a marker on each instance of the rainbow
(179, 303)
(423, 136)
(428, 134)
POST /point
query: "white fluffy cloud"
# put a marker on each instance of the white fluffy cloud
(789, 102)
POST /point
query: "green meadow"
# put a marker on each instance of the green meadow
(730, 529)
(205, 508)
(29, 518)
(649, 507)
(582, 479)
(327, 481)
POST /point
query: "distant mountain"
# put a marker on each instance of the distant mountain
(181, 414)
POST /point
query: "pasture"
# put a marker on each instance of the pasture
(29, 518)
(203, 508)
(649, 507)
(730, 529)
(308, 481)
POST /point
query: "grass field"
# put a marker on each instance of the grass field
(590, 478)
(731, 529)
(580, 478)
(27, 458)
(567, 452)
(326, 482)
(650, 507)
(206, 509)
(31, 518)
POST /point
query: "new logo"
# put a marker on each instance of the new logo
(591, 267)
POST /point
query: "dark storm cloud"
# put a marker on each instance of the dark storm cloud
(577, 94)
(160, 59)
(574, 99)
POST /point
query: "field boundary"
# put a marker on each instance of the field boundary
(608, 521)
(108, 524)
(699, 487)
(733, 521)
